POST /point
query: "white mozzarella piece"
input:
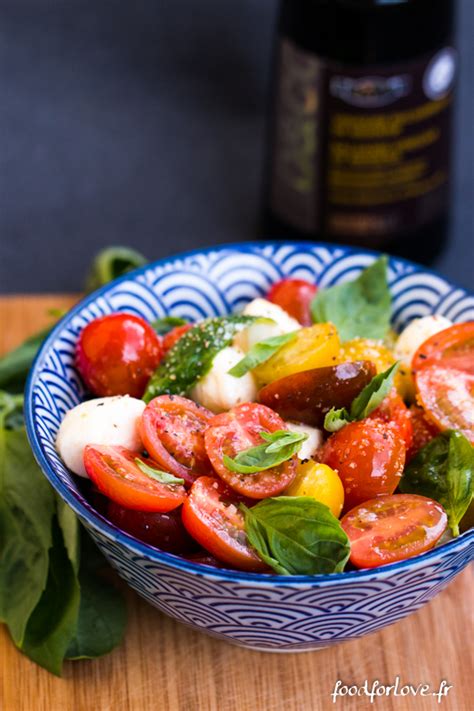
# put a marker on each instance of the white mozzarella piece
(106, 421)
(219, 391)
(283, 323)
(311, 445)
(416, 333)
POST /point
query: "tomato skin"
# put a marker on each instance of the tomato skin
(451, 348)
(172, 430)
(423, 431)
(218, 525)
(115, 473)
(309, 395)
(392, 528)
(369, 457)
(320, 482)
(294, 296)
(232, 432)
(173, 336)
(117, 354)
(394, 411)
(443, 368)
(313, 347)
(162, 530)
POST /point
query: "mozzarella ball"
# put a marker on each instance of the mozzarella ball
(219, 391)
(105, 420)
(416, 333)
(311, 445)
(283, 323)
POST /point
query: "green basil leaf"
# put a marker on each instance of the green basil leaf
(297, 535)
(102, 611)
(27, 506)
(157, 474)
(280, 446)
(191, 357)
(359, 308)
(53, 622)
(368, 400)
(335, 420)
(443, 470)
(15, 366)
(71, 532)
(110, 264)
(261, 352)
(164, 325)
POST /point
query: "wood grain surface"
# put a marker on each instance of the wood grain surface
(163, 666)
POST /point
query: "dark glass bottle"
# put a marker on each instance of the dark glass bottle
(359, 136)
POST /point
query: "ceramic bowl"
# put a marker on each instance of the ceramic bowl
(269, 613)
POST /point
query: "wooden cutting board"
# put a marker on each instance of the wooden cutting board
(163, 666)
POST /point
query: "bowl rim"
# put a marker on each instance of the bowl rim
(96, 521)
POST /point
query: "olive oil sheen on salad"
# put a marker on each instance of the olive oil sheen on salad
(359, 136)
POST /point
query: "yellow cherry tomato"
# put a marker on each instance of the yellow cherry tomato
(321, 483)
(381, 356)
(314, 347)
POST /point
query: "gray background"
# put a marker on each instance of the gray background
(142, 123)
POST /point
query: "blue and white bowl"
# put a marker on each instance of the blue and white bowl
(268, 613)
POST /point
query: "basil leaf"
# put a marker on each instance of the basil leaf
(279, 447)
(27, 506)
(191, 357)
(359, 308)
(157, 474)
(54, 620)
(102, 611)
(15, 366)
(297, 535)
(111, 263)
(261, 352)
(164, 325)
(443, 470)
(365, 403)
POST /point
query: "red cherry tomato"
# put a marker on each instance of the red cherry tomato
(162, 530)
(369, 457)
(117, 354)
(204, 558)
(294, 296)
(232, 432)
(444, 376)
(394, 411)
(116, 474)
(172, 431)
(218, 524)
(174, 335)
(423, 431)
(393, 528)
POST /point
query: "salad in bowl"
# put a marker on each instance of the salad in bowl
(272, 443)
(298, 436)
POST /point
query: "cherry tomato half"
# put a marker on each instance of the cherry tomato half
(117, 354)
(239, 429)
(423, 431)
(369, 457)
(394, 411)
(162, 530)
(294, 296)
(173, 336)
(309, 395)
(218, 525)
(172, 431)
(393, 528)
(116, 474)
(443, 367)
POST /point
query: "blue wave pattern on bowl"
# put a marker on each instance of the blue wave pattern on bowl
(261, 612)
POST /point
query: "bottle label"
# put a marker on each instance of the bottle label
(361, 151)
